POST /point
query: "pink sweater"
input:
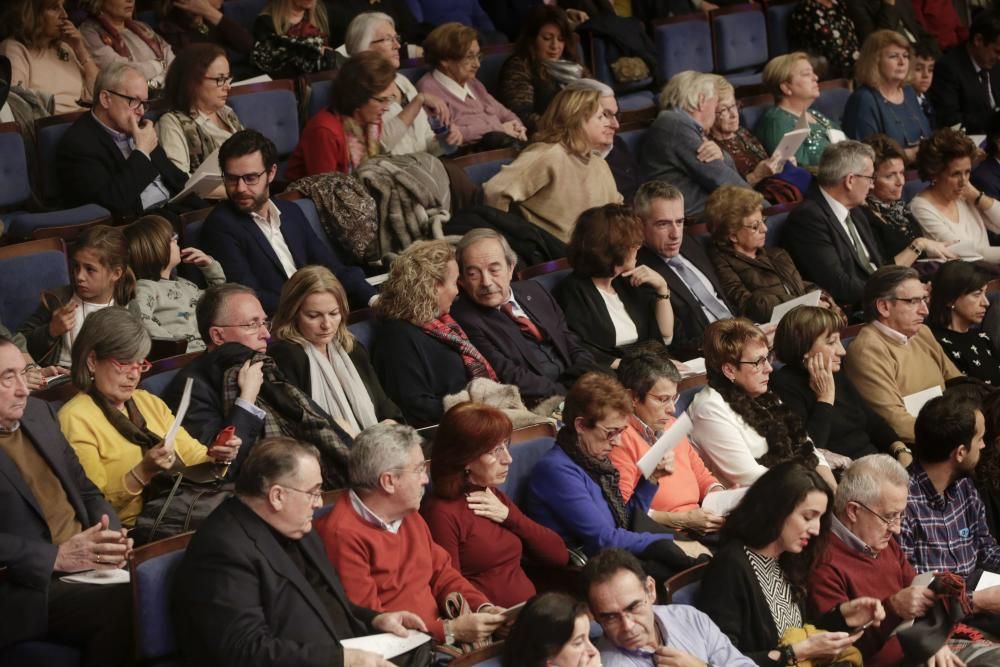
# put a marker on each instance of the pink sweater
(476, 115)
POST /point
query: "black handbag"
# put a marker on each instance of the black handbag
(931, 631)
(178, 501)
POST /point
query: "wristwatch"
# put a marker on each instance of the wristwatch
(896, 451)
(917, 249)
(788, 656)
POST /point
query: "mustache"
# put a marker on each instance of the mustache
(487, 291)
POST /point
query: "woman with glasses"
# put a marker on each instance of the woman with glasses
(481, 528)
(116, 429)
(956, 313)
(342, 136)
(951, 209)
(113, 36)
(738, 425)
(199, 120)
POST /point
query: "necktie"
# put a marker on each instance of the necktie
(984, 78)
(859, 247)
(526, 326)
(708, 301)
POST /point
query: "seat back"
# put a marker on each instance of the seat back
(415, 72)
(26, 269)
(551, 280)
(481, 167)
(832, 99)
(682, 588)
(272, 109)
(489, 67)
(602, 69)
(158, 378)
(544, 268)
(775, 223)
(524, 456)
(48, 133)
(739, 39)
(752, 108)
(152, 569)
(777, 14)
(243, 12)
(913, 188)
(14, 184)
(320, 86)
(684, 398)
(364, 331)
(309, 210)
(40, 653)
(632, 139)
(683, 43)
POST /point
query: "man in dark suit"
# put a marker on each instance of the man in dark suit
(54, 522)
(111, 156)
(255, 586)
(966, 86)
(261, 242)
(695, 292)
(827, 235)
(518, 327)
(898, 15)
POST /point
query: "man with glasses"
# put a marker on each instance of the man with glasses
(262, 242)
(895, 354)
(638, 632)
(382, 547)
(111, 156)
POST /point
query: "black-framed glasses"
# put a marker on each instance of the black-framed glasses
(315, 495)
(871, 179)
(133, 102)
(719, 111)
(889, 521)
(760, 361)
(249, 179)
(394, 38)
(249, 327)
(221, 81)
(912, 300)
(9, 378)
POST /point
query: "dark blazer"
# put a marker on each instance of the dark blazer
(689, 318)
(91, 170)
(294, 365)
(26, 547)
(986, 177)
(239, 599)
(823, 251)
(958, 95)
(505, 347)
(756, 285)
(237, 242)
(42, 346)
(871, 15)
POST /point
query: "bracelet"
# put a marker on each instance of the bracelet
(131, 471)
(663, 297)
(788, 656)
(917, 249)
(979, 198)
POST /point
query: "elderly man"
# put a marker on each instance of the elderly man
(895, 354)
(518, 327)
(54, 522)
(382, 547)
(638, 632)
(256, 588)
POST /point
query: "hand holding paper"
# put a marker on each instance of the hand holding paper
(182, 408)
(666, 443)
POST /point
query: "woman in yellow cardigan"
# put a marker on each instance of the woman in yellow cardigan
(116, 429)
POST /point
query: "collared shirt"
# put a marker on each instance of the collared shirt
(989, 87)
(947, 532)
(461, 92)
(842, 213)
(709, 315)
(850, 539)
(890, 333)
(271, 226)
(517, 310)
(371, 517)
(156, 193)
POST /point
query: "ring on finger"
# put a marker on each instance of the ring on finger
(98, 559)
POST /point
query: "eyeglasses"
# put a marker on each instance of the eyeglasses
(133, 102)
(889, 521)
(871, 179)
(757, 363)
(123, 367)
(499, 450)
(249, 179)
(756, 226)
(729, 108)
(384, 101)
(616, 619)
(473, 58)
(394, 38)
(611, 434)
(419, 469)
(912, 300)
(609, 116)
(249, 327)
(221, 81)
(8, 379)
(664, 399)
(315, 495)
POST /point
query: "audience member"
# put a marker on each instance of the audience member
(675, 149)
(475, 522)
(552, 629)
(184, 23)
(344, 135)
(941, 19)
(382, 547)
(55, 522)
(966, 85)
(113, 36)
(870, 16)
(255, 586)
(291, 38)
(199, 121)
(518, 327)
(807, 343)
(951, 209)
(754, 587)
(827, 235)
(922, 75)
(452, 50)
(895, 354)
(166, 303)
(987, 475)
(986, 174)
(318, 354)
(610, 302)
(561, 174)
(696, 292)
(48, 54)
(959, 303)
(421, 353)
(260, 241)
(824, 29)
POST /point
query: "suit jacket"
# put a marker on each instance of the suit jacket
(509, 352)
(91, 170)
(26, 547)
(689, 319)
(871, 15)
(247, 257)
(986, 177)
(958, 95)
(823, 251)
(239, 599)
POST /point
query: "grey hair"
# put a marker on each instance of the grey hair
(111, 77)
(478, 234)
(685, 89)
(362, 29)
(882, 285)
(841, 160)
(110, 333)
(377, 450)
(862, 482)
(591, 84)
(271, 461)
(651, 190)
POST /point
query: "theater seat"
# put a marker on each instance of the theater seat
(152, 569)
(524, 456)
(26, 269)
(272, 109)
(39, 654)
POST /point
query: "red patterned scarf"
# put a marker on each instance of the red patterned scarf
(448, 331)
(111, 37)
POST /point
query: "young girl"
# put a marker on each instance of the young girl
(165, 304)
(100, 278)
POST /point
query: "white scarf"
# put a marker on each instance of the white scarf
(82, 310)
(337, 388)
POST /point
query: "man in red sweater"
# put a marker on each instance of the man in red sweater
(381, 546)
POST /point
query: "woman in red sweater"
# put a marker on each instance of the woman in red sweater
(476, 523)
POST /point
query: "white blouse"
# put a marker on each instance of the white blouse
(971, 226)
(625, 331)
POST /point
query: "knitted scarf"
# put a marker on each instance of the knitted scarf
(893, 214)
(131, 427)
(603, 472)
(448, 331)
(111, 37)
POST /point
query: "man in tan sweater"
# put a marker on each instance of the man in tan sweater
(895, 355)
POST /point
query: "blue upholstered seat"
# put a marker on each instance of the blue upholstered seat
(243, 12)
(831, 102)
(740, 45)
(312, 215)
(774, 224)
(152, 582)
(24, 277)
(272, 111)
(684, 45)
(364, 332)
(777, 27)
(524, 456)
(550, 280)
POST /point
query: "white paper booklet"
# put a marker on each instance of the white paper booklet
(915, 401)
(723, 502)
(666, 443)
(988, 580)
(790, 143)
(263, 78)
(97, 577)
(924, 579)
(182, 409)
(811, 299)
(387, 644)
(692, 367)
(205, 180)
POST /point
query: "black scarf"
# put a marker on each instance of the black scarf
(604, 474)
(131, 427)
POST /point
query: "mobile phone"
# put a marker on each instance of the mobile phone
(225, 435)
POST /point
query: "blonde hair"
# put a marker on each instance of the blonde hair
(305, 282)
(279, 10)
(866, 71)
(563, 120)
(779, 70)
(410, 293)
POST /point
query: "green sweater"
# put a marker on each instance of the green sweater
(776, 122)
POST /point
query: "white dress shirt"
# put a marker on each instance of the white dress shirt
(271, 226)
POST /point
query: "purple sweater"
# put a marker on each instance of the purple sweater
(475, 116)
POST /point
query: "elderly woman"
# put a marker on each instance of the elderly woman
(552, 630)
(406, 124)
(739, 426)
(824, 28)
(955, 316)
(574, 488)
(421, 353)
(482, 529)
(347, 133)
(116, 429)
(952, 209)
(795, 86)
(291, 37)
(199, 121)
(609, 302)
(186, 22)
(47, 53)
(452, 50)
(562, 174)
(315, 351)
(884, 102)
(807, 342)
(113, 36)
(545, 59)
